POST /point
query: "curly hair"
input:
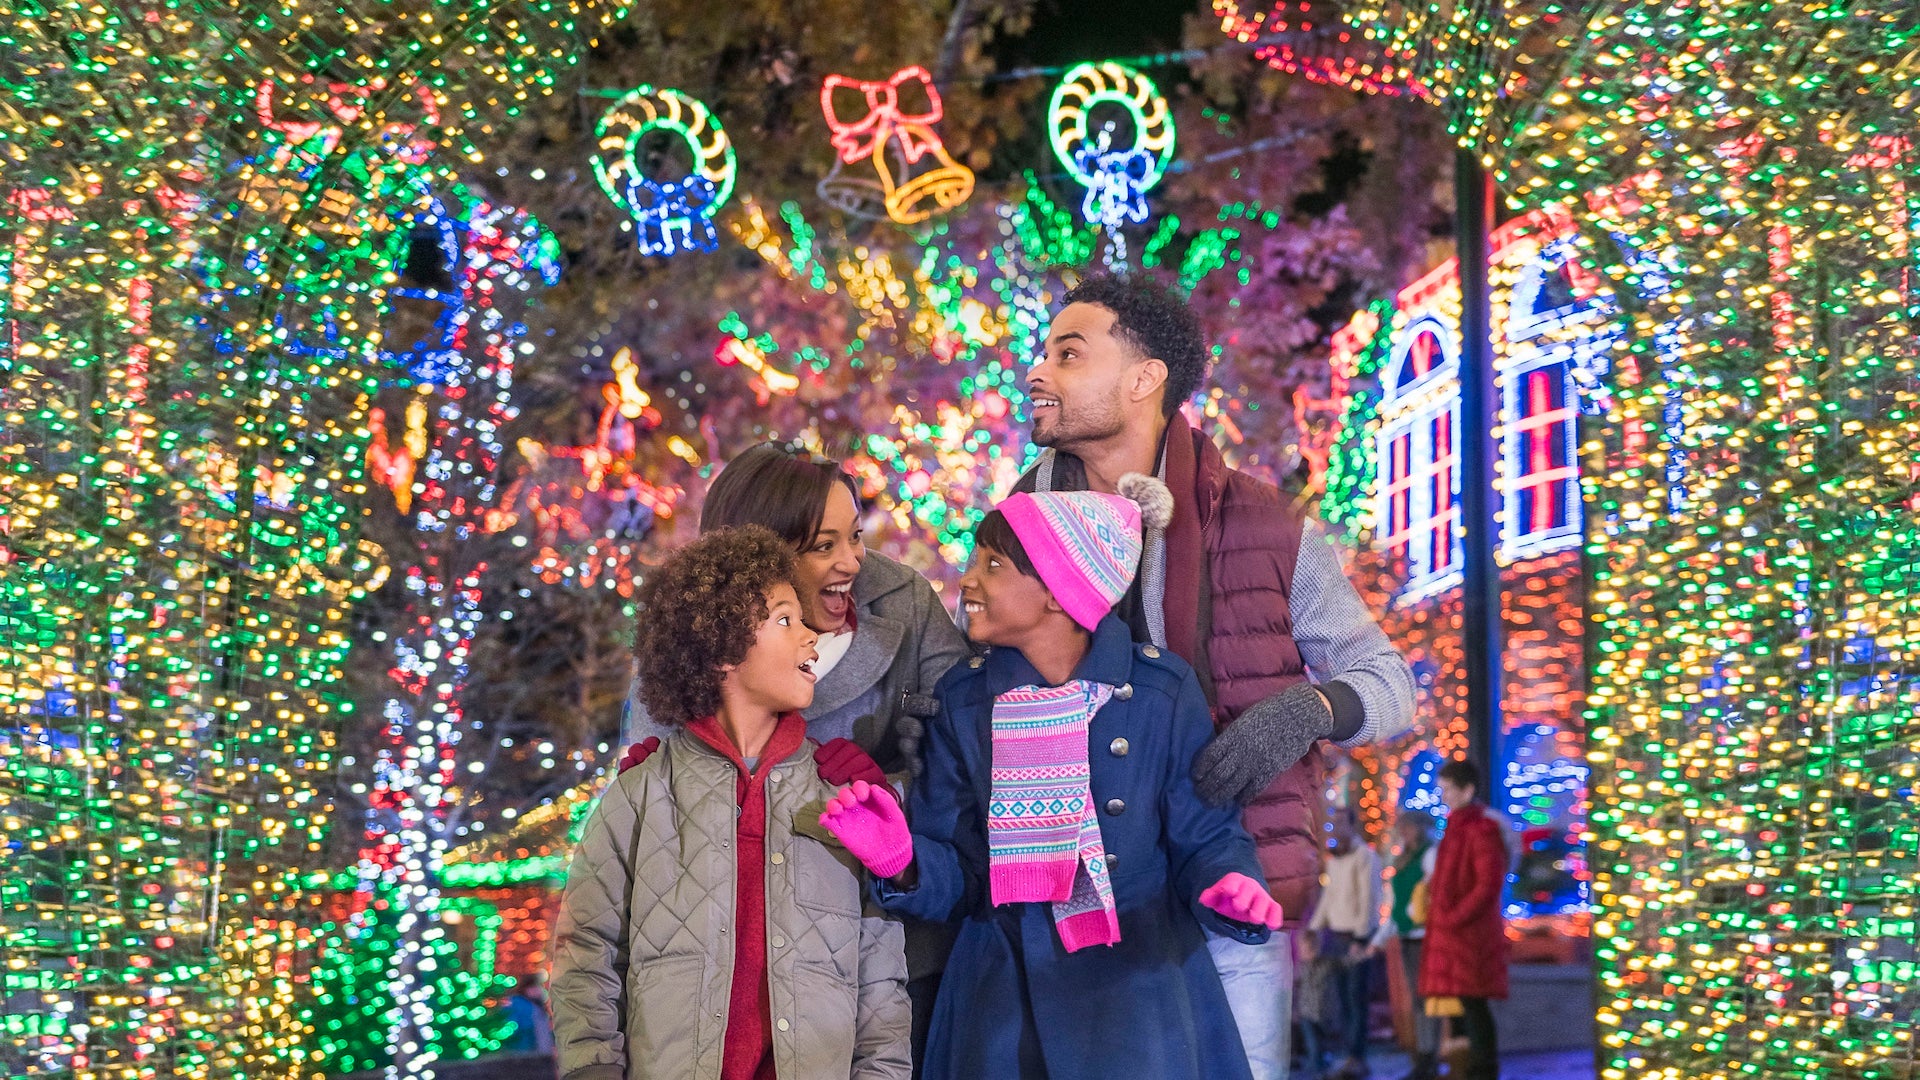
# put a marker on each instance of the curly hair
(1153, 319)
(699, 612)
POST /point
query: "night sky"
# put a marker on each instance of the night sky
(1065, 31)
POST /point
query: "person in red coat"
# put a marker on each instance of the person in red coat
(1466, 952)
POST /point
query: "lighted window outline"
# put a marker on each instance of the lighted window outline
(1529, 434)
(1532, 427)
(1416, 406)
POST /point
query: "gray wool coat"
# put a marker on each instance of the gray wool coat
(881, 693)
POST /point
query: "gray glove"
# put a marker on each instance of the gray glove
(1263, 742)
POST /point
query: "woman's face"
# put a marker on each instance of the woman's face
(829, 562)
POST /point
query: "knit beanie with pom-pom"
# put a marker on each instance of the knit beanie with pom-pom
(1085, 545)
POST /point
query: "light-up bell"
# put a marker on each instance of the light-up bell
(916, 178)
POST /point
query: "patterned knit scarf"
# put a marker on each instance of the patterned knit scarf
(1043, 839)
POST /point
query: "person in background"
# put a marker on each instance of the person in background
(885, 641)
(1465, 956)
(527, 1008)
(1347, 920)
(1241, 584)
(1413, 863)
(1313, 1010)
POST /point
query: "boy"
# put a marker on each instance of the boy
(699, 935)
(1056, 816)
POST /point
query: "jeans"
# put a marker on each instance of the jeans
(1259, 984)
(1354, 985)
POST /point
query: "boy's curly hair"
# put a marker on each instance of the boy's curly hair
(699, 611)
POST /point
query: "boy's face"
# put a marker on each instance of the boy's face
(1002, 604)
(1454, 795)
(777, 672)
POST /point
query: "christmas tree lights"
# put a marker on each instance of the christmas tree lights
(193, 261)
(1756, 561)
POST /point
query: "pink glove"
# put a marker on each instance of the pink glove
(866, 818)
(1242, 899)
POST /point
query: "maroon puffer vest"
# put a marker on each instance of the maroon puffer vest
(1252, 539)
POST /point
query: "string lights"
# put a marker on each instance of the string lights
(194, 256)
(1753, 490)
(1116, 168)
(1393, 480)
(889, 124)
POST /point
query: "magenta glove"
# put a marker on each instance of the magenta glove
(866, 818)
(1242, 899)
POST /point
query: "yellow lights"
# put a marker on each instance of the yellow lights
(179, 489)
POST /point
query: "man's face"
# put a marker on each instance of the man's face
(1077, 385)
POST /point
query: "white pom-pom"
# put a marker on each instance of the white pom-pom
(1152, 496)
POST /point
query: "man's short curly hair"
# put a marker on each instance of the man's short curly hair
(699, 612)
(1154, 319)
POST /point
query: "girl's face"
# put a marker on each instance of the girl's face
(777, 672)
(829, 562)
(1002, 604)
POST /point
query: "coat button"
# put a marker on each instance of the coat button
(1150, 652)
(1116, 806)
(1124, 691)
(1119, 747)
(975, 662)
(1112, 861)
(778, 858)
(778, 942)
(775, 778)
(781, 1023)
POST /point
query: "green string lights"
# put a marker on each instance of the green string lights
(194, 250)
(1754, 487)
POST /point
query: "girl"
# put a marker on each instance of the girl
(1056, 815)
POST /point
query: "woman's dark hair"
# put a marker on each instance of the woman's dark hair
(776, 489)
(996, 532)
(700, 611)
(1462, 774)
(1155, 320)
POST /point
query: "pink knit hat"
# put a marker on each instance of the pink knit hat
(1086, 545)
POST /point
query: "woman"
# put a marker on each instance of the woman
(885, 640)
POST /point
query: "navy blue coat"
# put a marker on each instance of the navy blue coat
(1014, 1002)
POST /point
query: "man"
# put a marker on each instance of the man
(1466, 953)
(1240, 585)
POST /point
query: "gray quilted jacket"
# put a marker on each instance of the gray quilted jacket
(643, 952)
